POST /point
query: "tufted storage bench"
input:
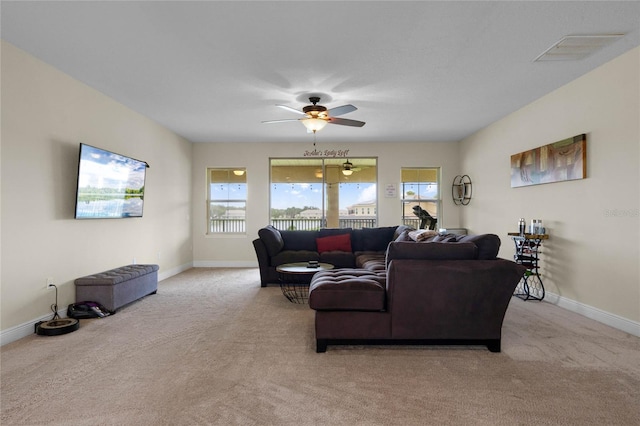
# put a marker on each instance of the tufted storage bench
(118, 287)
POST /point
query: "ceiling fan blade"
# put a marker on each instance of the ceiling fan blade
(280, 121)
(341, 110)
(346, 122)
(288, 108)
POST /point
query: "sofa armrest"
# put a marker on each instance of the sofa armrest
(461, 299)
(263, 261)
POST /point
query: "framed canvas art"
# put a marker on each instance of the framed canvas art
(559, 161)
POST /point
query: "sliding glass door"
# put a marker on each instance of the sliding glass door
(325, 192)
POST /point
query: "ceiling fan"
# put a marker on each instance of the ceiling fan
(317, 116)
(348, 168)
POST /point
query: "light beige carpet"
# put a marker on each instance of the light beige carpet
(212, 347)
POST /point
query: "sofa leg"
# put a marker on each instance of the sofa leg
(321, 345)
(494, 345)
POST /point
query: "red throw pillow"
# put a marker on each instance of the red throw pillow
(340, 242)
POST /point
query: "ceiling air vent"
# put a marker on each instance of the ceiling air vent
(576, 47)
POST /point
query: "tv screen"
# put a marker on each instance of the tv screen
(110, 185)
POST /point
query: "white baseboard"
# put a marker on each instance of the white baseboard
(174, 271)
(599, 315)
(25, 329)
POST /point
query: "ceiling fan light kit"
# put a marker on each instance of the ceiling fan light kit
(314, 124)
(347, 168)
(317, 116)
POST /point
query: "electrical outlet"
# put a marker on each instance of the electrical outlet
(50, 283)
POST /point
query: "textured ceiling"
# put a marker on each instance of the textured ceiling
(417, 71)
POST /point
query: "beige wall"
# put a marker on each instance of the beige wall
(238, 250)
(592, 257)
(45, 115)
(593, 254)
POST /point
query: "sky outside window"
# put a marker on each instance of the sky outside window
(285, 195)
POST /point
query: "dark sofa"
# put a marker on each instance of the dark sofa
(444, 290)
(342, 247)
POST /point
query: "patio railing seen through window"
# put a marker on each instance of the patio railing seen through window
(235, 225)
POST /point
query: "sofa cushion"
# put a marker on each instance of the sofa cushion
(375, 265)
(326, 232)
(347, 289)
(294, 256)
(339, 259)
(403, 236)
(272, 239)
(488, 245)
(357, 243)
(299, 240)
(447, 238)
(431, 251)
(377, 239)
(371, 260)
(400, 229)
(341, 242)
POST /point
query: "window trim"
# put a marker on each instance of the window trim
(437, 200)
(209, 200)
(323, 163)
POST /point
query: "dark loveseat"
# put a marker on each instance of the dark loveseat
(451, 291)
(341, 247)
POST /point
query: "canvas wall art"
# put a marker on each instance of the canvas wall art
(559, 161)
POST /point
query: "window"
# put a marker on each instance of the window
(314, 193)
(227, 200)
(420, 194)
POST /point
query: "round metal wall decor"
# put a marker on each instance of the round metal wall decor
(461, 190)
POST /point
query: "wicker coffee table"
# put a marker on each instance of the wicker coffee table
(295, 279)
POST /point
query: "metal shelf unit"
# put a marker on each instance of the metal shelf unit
(527, 252)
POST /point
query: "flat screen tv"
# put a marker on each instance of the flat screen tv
(110, 185)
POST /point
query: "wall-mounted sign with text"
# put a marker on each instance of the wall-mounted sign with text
(390, 190)
(327, 153)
